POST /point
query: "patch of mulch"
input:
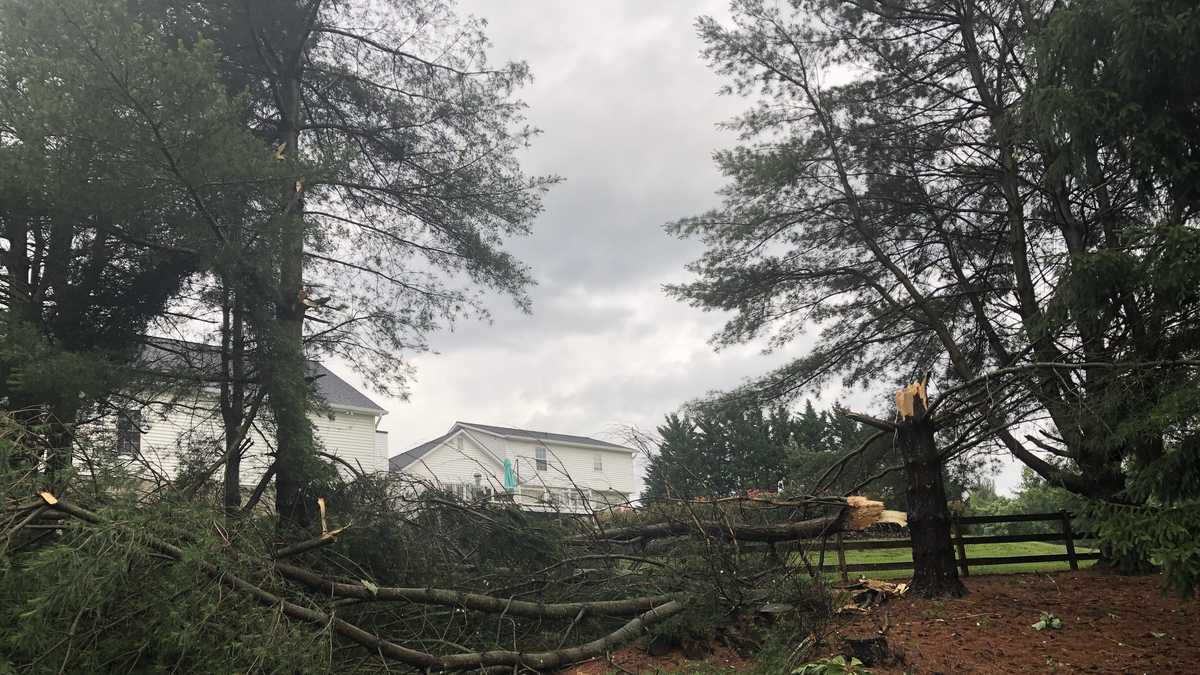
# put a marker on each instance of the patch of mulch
(635, 659)
(1110, 624)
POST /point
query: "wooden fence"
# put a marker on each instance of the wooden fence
(961, 541)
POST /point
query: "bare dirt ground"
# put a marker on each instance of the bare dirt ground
(1110, 624)
(634, 659)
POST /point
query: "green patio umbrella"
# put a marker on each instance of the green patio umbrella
(510, 476)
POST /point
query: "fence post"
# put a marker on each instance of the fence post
(1070, 540)
(962, 549)
(841, 556)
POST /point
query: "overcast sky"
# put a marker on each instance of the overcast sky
(629, 113)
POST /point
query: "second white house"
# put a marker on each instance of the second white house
(538, 470)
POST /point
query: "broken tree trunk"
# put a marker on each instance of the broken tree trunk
(858, 513)
(929, 524)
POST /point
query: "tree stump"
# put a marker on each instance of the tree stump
(872, 650)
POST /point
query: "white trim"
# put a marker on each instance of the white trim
(496, 458)
(356, 409)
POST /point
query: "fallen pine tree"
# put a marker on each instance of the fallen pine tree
(134, 583)
(854, 513)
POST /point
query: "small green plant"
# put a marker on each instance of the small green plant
(834, 665)
(1048, 620)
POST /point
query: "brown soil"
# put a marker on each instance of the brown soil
(634, 659)
(1110, 624)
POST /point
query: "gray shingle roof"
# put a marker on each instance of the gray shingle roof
(336, 391)
(541, 435)
(402, 460)
(204, 360)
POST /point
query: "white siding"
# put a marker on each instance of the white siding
(447, 464)
(570, 468)
(350, 436)
(168, 433)
(572, 464)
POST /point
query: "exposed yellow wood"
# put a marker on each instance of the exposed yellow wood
(907, 397)
(866, 512)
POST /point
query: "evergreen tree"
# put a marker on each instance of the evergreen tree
(719, 452)
(120, 155)
(934, 216)
(401, 141)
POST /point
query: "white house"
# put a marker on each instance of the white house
(159, 433)
(538, 470)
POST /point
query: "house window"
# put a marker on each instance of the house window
(129, 432)
(478, 480)
(540, 456)
(597, 462)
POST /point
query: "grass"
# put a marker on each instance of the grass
(973, 551)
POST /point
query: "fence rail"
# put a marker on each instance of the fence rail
(961, 541)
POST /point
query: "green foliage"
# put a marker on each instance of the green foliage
(119, 154)
(1045, 212)
(720, 451)
(1119, 73)
(1047, 621)
(1168, 535)
(723, 450)
(834, 665)
(1033, 495)
(825, 438)
(97, 600)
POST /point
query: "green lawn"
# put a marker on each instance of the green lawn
(973, 551)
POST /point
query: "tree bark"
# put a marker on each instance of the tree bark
(285, 374)
(929, 524)
(233, 394)
(934, 570)
(857, 514)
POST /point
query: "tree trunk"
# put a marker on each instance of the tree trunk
(233, 393)
(934, 571)
(60, 441)
(285, 376)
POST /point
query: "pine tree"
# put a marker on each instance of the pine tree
(121, 156)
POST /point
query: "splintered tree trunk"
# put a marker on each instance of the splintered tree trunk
(934, 570)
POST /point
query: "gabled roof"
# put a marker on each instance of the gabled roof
(402, 460)
(204, 360)
(545, 436)
(338, 392)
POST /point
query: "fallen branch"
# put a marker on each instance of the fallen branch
(385, 648)
(308, 545)
(857, 513)
(473, 601)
